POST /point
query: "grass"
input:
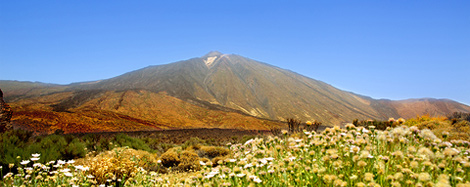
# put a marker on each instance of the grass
(350, 156)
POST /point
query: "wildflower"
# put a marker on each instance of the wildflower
(414, 129)
(210, 175)
(34, 159)
(60, 162)
(445, 134)
(269, 159)
(336, 128)
(360, 184)
(249, 165)
(36, 155)
(427, 134)
(368, 177)
(409, 182)
(365, 131)
(398, 154)
(426, 153)
(226, 184)
(308, 123)
(68, 174)
(401, 120)
(398, 176)
(350, 126)
(240, 175)
(71, 162)
(284, 132)
(414, 164)
(202, 163)
(411, 149)
(255, 178)
(385, 158)
(443, 180)
(361, 163)
(424, 177)
(80, 167)
(24, 162)
(395, 184)
(451, 152)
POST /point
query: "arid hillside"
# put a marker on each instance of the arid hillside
(133, 110)
(213, 91)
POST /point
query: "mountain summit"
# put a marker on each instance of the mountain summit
(212, 54)
(211, 57)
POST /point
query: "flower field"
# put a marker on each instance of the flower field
(351, 156)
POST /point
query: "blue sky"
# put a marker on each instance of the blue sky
(383, 49)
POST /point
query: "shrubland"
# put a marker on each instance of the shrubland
(424, 151)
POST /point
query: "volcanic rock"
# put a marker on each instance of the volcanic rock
(5, 114)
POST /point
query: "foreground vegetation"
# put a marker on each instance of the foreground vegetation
(408, 154)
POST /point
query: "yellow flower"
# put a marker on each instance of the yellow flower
(414, 164)
(361, 163)
(360, 184)
(401, 120)
(368, 177)
(424, 177)
(398, 176)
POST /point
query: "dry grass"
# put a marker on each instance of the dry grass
(118, 164)
(442, 127)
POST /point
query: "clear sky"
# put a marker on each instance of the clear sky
(383, 49)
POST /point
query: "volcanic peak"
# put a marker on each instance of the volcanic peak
(211, 57)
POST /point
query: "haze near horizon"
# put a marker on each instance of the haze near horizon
(393, 50)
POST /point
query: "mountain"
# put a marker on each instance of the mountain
(262, 90)
(224, 86)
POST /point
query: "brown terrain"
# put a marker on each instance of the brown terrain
(133, 110)
(214, 91)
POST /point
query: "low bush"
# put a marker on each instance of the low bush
(189, 161)
(211, 152)
(170, 158)
(116, 166)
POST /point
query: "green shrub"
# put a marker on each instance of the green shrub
(123, 140)
(50, 147)
(75, 149)
(193, 141)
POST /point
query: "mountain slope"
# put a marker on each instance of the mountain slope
(216, 90)
(130, 110)
(257, 89)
